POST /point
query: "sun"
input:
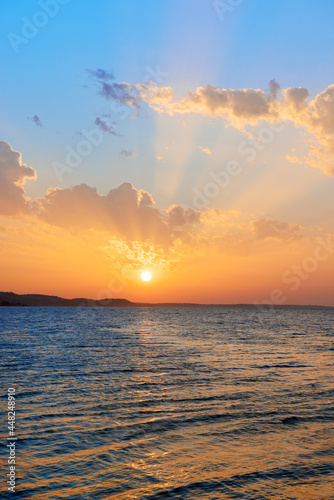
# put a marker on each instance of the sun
(146, 276)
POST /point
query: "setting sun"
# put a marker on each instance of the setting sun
(146, 276)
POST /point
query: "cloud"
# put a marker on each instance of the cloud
(101, 74)
(205, 150)
(246, 105)
(267, 228)
(13, 174)
(274, 88)
(243, 107)
(37, 121)
(179, 216)
(317, 117)
(128, 214)
(295, 98)
(121, 93)
(127, 154)
(124, 211)
(104, 126)
(293, 159)
(156, 96)
(250, 106)
(3, 234)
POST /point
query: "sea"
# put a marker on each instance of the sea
(168, 403)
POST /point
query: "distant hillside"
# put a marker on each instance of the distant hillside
(9, 299)
(37, 300)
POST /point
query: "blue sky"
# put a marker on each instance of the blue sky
(141, 100)
(255, 42)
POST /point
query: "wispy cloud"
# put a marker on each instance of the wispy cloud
(105, 126)
(122, 93)
(268, 228)
(293, 159)
(127, 154)
(101, 74)
(37, 121)
(274, 88)
(119, 92)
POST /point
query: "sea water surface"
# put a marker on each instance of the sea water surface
(180, 403)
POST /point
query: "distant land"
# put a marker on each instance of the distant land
(10, 299)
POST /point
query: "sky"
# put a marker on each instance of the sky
(190, 139)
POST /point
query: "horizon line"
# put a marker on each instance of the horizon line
(122, 302)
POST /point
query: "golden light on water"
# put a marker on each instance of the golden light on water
(146, 276)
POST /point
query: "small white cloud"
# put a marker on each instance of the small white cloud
(293, 159)
(205, 150)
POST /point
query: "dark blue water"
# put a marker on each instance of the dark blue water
(170, 403)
